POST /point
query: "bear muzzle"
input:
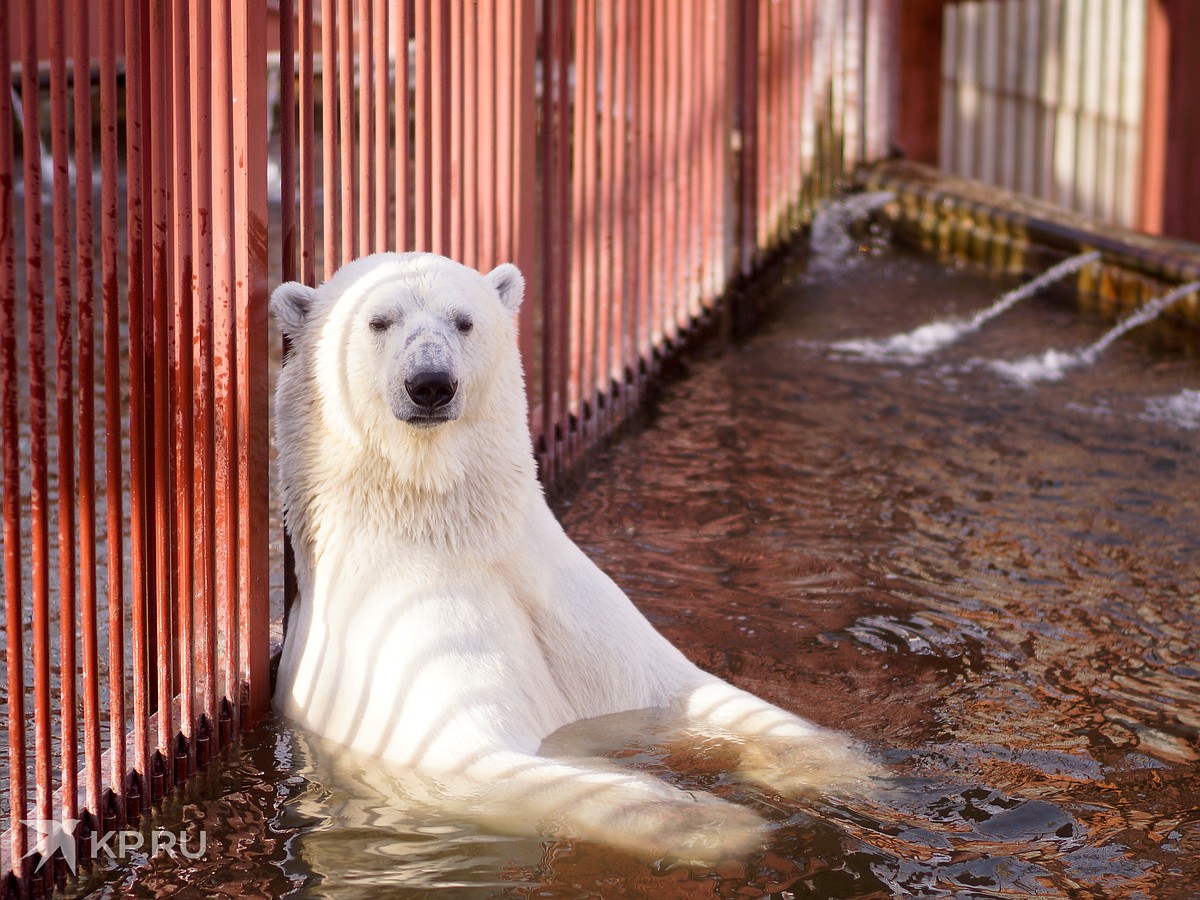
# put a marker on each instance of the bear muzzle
(429, 399)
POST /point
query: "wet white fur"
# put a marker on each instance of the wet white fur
(445, 621)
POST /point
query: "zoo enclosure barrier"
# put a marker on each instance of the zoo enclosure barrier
(633, 158)
(1086, 104)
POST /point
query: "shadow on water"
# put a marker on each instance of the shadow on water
(993, 587)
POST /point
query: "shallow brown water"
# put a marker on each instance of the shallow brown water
(994, 587)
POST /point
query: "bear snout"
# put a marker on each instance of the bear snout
(431, 391)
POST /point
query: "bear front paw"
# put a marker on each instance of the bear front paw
(794, 767)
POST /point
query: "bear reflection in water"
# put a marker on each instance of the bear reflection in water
(445, 623)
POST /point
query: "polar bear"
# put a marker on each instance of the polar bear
(445, 622)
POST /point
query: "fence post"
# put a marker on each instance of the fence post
(525, 200)
(1169, 139)
(250, 242)
(918, 78)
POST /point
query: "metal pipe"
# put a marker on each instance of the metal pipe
(182, 374)
(136, 268)
(14, 647)
(203, 462)
(85, 278)
(64, 283)
(253, 445)
(38, 453)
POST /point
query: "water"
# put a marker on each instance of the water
(994, 589)
(1053, 364)
(832, 239)
(913, 346)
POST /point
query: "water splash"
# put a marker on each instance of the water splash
(913, 346)
(1053, 364)
(1181, 410)
(830, 243)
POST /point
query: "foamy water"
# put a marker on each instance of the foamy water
(1049, 366)
(830, 244)
(1181, 410)
(1052, 364)
(913, 346)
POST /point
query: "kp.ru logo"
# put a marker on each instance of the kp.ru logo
(114, 845)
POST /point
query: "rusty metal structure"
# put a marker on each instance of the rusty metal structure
(163, 161)
(1082, 103)
(158, 158)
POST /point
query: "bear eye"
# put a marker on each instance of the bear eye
(463, 324)
(380, 324)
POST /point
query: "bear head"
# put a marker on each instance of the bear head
(409, 355)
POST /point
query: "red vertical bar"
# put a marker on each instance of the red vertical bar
(364, 187)
(487, 131)
(784, 122)
(524, 184)
(287, 211)
(113, 457)
(137, 465)
(250, 222)
(772, 122)
(635, 197)
(308, 180)
(183, 420)
(714, 91)
(749, 149)
(14, 649)
(381, 172)
(159, 384)
(506, 125)
(675, 217)
(765, 52)
(606, 82)
(563, 214)
(1156, 97)
(203, 461)
(423, 128)
(551, 14)
(439, 149)
(87, 406)
(807, 115)
(709, 137)
(1175, 125)
(455, 66)
(620, 301)
(646, 242)
(401, 106)
(287, 138)
(225, 470)
(329, 138)
(918, 81)
(64, 382)
(589, 210)
(39, 491)
(724, 239)
(345, 121)
(688, 167)
(578, 108)
(471, 76)
(660, 262)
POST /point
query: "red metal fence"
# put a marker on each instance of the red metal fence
(632, 157)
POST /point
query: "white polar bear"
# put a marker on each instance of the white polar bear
(445, 621)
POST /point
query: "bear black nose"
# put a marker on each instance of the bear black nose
(431, 390)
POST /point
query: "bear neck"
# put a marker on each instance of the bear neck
(464, 488)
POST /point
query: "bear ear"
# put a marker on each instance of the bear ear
(509, 284)
(291, 303)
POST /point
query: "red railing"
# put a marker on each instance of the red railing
(633, 158)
